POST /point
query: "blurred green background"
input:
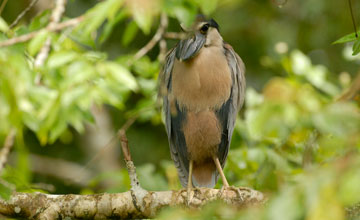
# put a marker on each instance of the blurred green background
(294, 140)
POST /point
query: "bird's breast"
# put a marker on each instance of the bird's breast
(203, 82)
(202, 132)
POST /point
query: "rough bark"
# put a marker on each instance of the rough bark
(120, 205)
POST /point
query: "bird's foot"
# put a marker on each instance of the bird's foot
(232, 188)
(190, 195)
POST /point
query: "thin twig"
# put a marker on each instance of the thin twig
(124, 145)
(9, 142)
(3, 6)
(125, 126)
(23, 13)
(55, 19)
(137, 192)
(29, 36)
(353, 18)
(156, 38)
(175, 35)
(130, 121)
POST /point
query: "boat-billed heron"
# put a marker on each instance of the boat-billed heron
(202, 85)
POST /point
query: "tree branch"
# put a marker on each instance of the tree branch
(119, 205)
(156, 38)
(55, 18)
(29, 36)
(175, 35)
(23, 13)
(137, 192)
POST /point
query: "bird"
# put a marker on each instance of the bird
(202, 87)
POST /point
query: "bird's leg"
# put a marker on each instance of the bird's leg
(225, 182)
(219, 169)
(189, 185)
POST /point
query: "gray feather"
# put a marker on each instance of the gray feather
(228, 112)
(173, 123)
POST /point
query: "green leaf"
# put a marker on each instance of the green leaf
(79, 72)
(3, 25)
(57, 130)
(61, 58)
(143, 13)
(5, 192)
(356, 47)
(346, 38)
(349, 190)
(144, 67)
(185, 14)
(111, 24)
(183, 10)
(40, 20)
(37, 42)
(207, 6)
(129, 33)
(98, 14)
(118, 73)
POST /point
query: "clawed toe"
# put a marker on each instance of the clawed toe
(190, 195)
(232, 188)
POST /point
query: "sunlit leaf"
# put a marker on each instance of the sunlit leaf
(61, 58)
(119, 73)
(3, 25)
(98, 14)
(143, 12)
(37, 42)
(184, 10)
(207, 6)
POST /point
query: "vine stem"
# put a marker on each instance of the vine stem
(353, 18)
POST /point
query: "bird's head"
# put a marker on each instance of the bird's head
(203, 33)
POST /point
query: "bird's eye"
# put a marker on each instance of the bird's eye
(204, 28)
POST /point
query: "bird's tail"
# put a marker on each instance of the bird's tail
(204, 174)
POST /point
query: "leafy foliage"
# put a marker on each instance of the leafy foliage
(294, 140)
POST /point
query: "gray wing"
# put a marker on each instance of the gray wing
(228, 112)
(173, 122)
